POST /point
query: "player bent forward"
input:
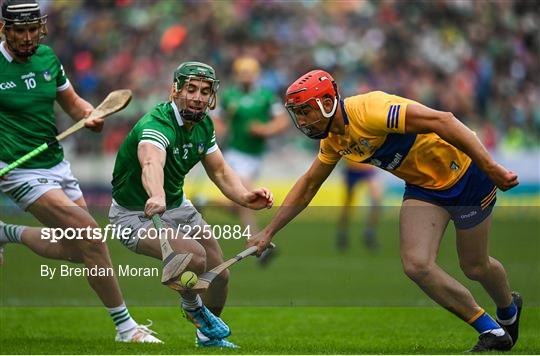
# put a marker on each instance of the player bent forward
(44, 185)
(448, 175)
(148, 178)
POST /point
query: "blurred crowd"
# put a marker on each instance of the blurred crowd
(478, 59)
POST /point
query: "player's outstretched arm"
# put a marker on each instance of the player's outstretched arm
(421, 119)
(230, 184)
(152, 160)
(296, 200)
(78, 108)
(279, 123)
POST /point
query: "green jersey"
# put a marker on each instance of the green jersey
(162, 127)
(241, 109)
(27, 94)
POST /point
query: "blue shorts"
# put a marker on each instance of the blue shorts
(354, 176)
(469, 202)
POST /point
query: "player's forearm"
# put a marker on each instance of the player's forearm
(230, 185)
(460, 136)
(78, 108)
(152, 179)
(295, 202)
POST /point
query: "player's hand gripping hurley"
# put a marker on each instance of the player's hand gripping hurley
(114, 102)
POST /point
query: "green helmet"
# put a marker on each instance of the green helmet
(200, 71)
(23, 12)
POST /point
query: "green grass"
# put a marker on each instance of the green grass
(311, 299)
(258, 330)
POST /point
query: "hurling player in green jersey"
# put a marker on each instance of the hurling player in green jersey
(31, 80)
(249, 115)
(148, 179)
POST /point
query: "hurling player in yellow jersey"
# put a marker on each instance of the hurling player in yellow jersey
(448, 175)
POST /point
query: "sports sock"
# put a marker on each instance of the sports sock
(507, 316)
(484, 323)
(11, 233)
(191, 304)
(121, 318)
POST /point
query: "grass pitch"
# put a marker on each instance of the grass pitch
(258, 330)
(310, 300)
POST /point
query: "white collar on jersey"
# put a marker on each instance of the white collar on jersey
(5, 51)
(177, 114)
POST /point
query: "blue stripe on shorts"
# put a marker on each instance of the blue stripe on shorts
(469, 201)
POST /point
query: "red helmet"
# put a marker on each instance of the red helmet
(310, 89)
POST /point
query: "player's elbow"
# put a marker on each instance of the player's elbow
(447, 117)
(443, 121)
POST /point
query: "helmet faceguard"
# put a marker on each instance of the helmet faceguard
(23, 13)
(306, 95)
(191, 72)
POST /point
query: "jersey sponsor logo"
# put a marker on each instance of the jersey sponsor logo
(345, 152)
(469, 215)
(395, 162)
(7, 85)
(43, 180)
(390, 166)
(392, 120)
(47, 76)
(351, 149)
(28, 75)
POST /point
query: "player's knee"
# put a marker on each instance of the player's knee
(475, 272)
(92, 251)
(417, 270)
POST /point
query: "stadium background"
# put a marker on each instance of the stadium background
(478, 59)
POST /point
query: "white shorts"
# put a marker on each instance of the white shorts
(185, 214)
(25, 186)
(245, 165)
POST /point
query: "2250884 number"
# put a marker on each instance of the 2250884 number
(226, 232)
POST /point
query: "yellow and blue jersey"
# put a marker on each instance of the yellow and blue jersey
(375, 134)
